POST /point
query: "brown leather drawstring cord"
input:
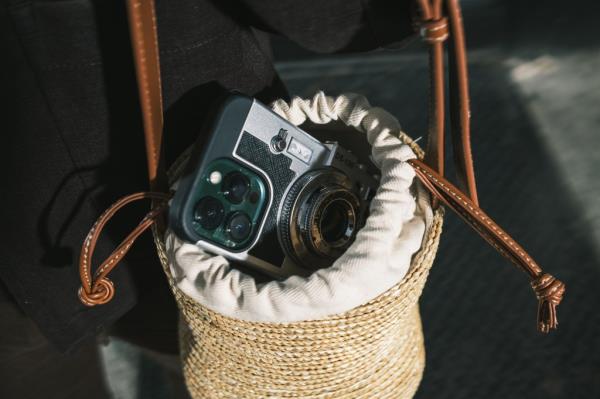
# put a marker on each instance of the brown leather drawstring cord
(548, 290)
(435, 29)
(99, 289)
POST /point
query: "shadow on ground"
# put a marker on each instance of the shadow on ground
(478, 309)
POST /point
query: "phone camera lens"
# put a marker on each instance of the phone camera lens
(239, 226)
(235, 186)
(209, 213)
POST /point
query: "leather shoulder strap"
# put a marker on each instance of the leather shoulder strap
(436, 28)
(144, 41)
(460, 109)
(96, 288)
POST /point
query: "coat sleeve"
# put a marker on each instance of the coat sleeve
(329, 26)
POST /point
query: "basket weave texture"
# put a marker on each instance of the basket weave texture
(373, 351)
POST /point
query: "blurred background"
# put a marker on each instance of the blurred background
(535, 95)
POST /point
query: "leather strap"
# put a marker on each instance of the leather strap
(460, 109)
(99, 289)
(549, 291)
(144, 42)
(435, 29)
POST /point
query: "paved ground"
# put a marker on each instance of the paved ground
(478, 311)
(535, 94)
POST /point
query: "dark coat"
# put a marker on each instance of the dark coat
(72, 139)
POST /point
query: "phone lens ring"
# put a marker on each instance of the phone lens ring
(235, 186)
(209, 213)
(239, 226)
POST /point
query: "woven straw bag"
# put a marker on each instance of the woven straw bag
(373, 351)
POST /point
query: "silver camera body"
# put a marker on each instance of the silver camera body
(283, 203)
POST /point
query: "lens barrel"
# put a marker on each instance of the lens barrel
(319, 218)
(328, 223)
(337, 221)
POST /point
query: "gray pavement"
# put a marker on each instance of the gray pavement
(537, 182)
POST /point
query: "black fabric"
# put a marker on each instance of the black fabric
(72, 140)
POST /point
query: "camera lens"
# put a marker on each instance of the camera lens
(239, 226)
(235, 186)
(209, 213)
(319, 218)
(335, 221)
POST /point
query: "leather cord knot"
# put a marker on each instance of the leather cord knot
(549, 292)
(102, 292)
(98, 289)
(434, 30)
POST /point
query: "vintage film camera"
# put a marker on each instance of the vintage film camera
(263, 192)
